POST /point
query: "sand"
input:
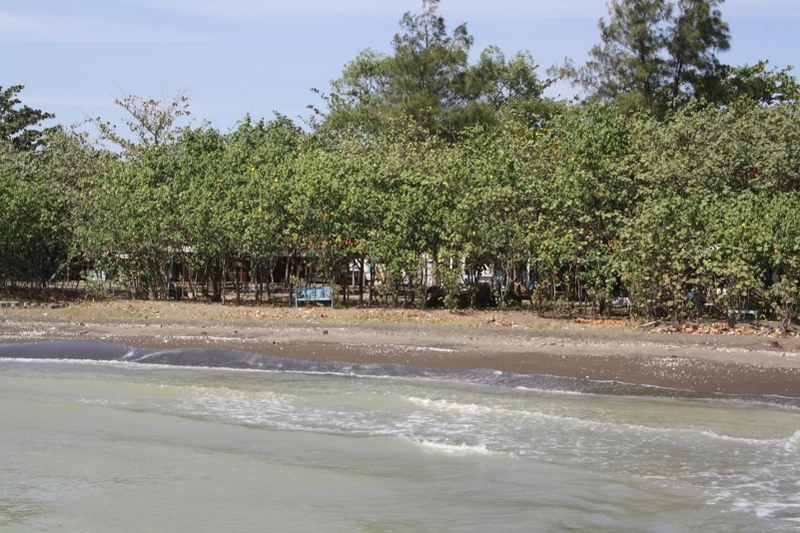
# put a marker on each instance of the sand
(740, 361)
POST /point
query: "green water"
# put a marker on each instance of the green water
(100, 446)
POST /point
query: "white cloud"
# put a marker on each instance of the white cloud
(264, 9)
(54, 28)
(170, 20)
(529, 9)
(258, 9)
(470, 9)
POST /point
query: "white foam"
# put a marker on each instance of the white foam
(741, 440)
(793, 442)
(769, 509)
(472, 409)
(68, 360)
(444, 405)
(553, 392)
(462, 449)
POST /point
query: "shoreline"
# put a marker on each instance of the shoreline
(515, 341)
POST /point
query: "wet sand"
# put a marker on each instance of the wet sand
(517, 341)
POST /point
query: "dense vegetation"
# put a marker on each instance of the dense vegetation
(681, 192)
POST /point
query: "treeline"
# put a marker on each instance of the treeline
(683, 211)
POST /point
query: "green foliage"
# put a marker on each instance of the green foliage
(749, 85)
(130, 223)
(658, 256)
(16, 123)
(429, 81)
(685, 216)
(697, 33)
(452, 182)
(585, 191)
(629, 66)
(40, 195)
(655, 55)
(264, 155)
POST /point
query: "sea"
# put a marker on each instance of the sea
(103, 437)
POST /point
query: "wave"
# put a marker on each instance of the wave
(456, 449)
(237, 359)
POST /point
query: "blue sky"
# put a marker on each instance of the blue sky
(258, 56)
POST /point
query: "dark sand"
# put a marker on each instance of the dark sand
(733, 363)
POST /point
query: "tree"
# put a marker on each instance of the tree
(508, 85)
(654, 54)
(39, 192)
(129, 221)
(659, 254)
(495, 200)
(750, 85)
(585, 191)
(16, 124)
(429, 80)
(628, 67)
(697, 32)
(263, 156)
(152, 121)
(424, 79)
(205, 193)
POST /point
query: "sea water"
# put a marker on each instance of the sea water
(101, 437)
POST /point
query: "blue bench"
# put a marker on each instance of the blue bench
(310, 293)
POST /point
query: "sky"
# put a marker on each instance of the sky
(257, 57)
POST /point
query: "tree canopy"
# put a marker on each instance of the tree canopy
(428, 79)
(17, 123)
(151, 122)
(654, 54)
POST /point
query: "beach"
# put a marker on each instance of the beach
(740, 361)
(214, 417)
